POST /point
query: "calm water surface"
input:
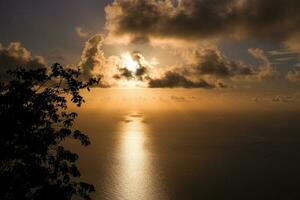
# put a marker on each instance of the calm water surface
(192, 155)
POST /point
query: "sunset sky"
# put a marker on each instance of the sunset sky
(224, 45)
(197, 99)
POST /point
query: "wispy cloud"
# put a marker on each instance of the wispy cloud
(81, 33)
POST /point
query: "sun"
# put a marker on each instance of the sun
(128, 62)
(133, 68)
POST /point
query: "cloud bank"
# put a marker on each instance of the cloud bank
(211, 69)
(142, 20)
(207, 68)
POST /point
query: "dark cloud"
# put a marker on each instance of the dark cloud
(126, 73)
(212, 69)
(142, 69)
(198, 19)
(172, 80)
(140, 72)
(15, 55)
(212, 62)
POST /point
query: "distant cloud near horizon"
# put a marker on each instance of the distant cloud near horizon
(294, 75)
(283, 99)
(14, 56)
(266, 69)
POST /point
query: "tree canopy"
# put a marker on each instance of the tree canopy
(35, 121)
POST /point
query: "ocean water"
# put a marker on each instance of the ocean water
(191, 154)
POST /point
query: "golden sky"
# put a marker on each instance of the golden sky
(224, 45)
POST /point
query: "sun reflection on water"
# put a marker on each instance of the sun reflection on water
(134, 176)
(135, 166)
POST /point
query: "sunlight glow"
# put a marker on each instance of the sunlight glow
(130, 84)
(128, 62)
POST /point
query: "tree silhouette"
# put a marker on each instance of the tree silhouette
(35, 121)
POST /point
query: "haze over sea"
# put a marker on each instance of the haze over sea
(197, 147)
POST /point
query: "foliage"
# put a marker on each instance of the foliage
(35, 121)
